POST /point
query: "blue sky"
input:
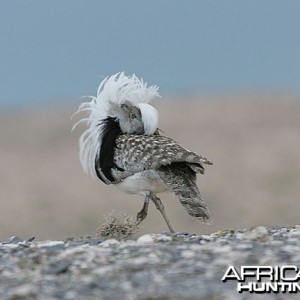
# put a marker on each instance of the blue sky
(59, 50)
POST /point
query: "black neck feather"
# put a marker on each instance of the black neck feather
(110, 132)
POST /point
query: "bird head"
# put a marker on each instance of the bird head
(130, 119)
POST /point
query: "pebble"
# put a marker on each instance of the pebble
(207, 237)
(49, 244)
(154, 266)
(24, 291)
(259, 232)
(13, 240)
(146, 239)
(109, 243)
(187, 253)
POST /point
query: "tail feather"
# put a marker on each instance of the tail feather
(196, 162)
(181, 180)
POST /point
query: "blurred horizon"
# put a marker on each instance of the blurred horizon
(253, 142)
(58, 51)
(236, 61)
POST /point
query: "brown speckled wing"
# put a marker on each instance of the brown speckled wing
(175, 165)
(136, 153)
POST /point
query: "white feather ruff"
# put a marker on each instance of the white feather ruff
(149, 117)
(112, 91)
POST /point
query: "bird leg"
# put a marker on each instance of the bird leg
(161, 208)
(141, 215)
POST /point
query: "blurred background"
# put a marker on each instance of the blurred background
(228, 73)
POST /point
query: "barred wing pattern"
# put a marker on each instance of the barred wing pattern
(175, 165)
(136, 153)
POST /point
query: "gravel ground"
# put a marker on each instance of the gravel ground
(158, 266)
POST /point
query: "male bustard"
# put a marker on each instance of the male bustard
(122, 146)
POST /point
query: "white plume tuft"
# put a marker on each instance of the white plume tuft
(112, 92)
(149, 117)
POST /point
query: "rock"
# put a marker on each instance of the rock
(146, 239)
(258, 233)
(58, 268)
(188, 253)
(24, 291)
(109, 242)
(13, 240)
(52, 246)
(48, 244)
(155, 266)
(95, 241)
(151, 238)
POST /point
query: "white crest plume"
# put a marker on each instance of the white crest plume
(113, 91)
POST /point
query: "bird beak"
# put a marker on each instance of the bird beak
(124, 107)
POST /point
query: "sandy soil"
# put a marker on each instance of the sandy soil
(253, 140)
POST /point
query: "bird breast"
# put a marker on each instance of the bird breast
(142, 183)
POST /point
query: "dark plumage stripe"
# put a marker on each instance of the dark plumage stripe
(103, 165)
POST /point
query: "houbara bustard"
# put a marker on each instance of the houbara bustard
(122, 146)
